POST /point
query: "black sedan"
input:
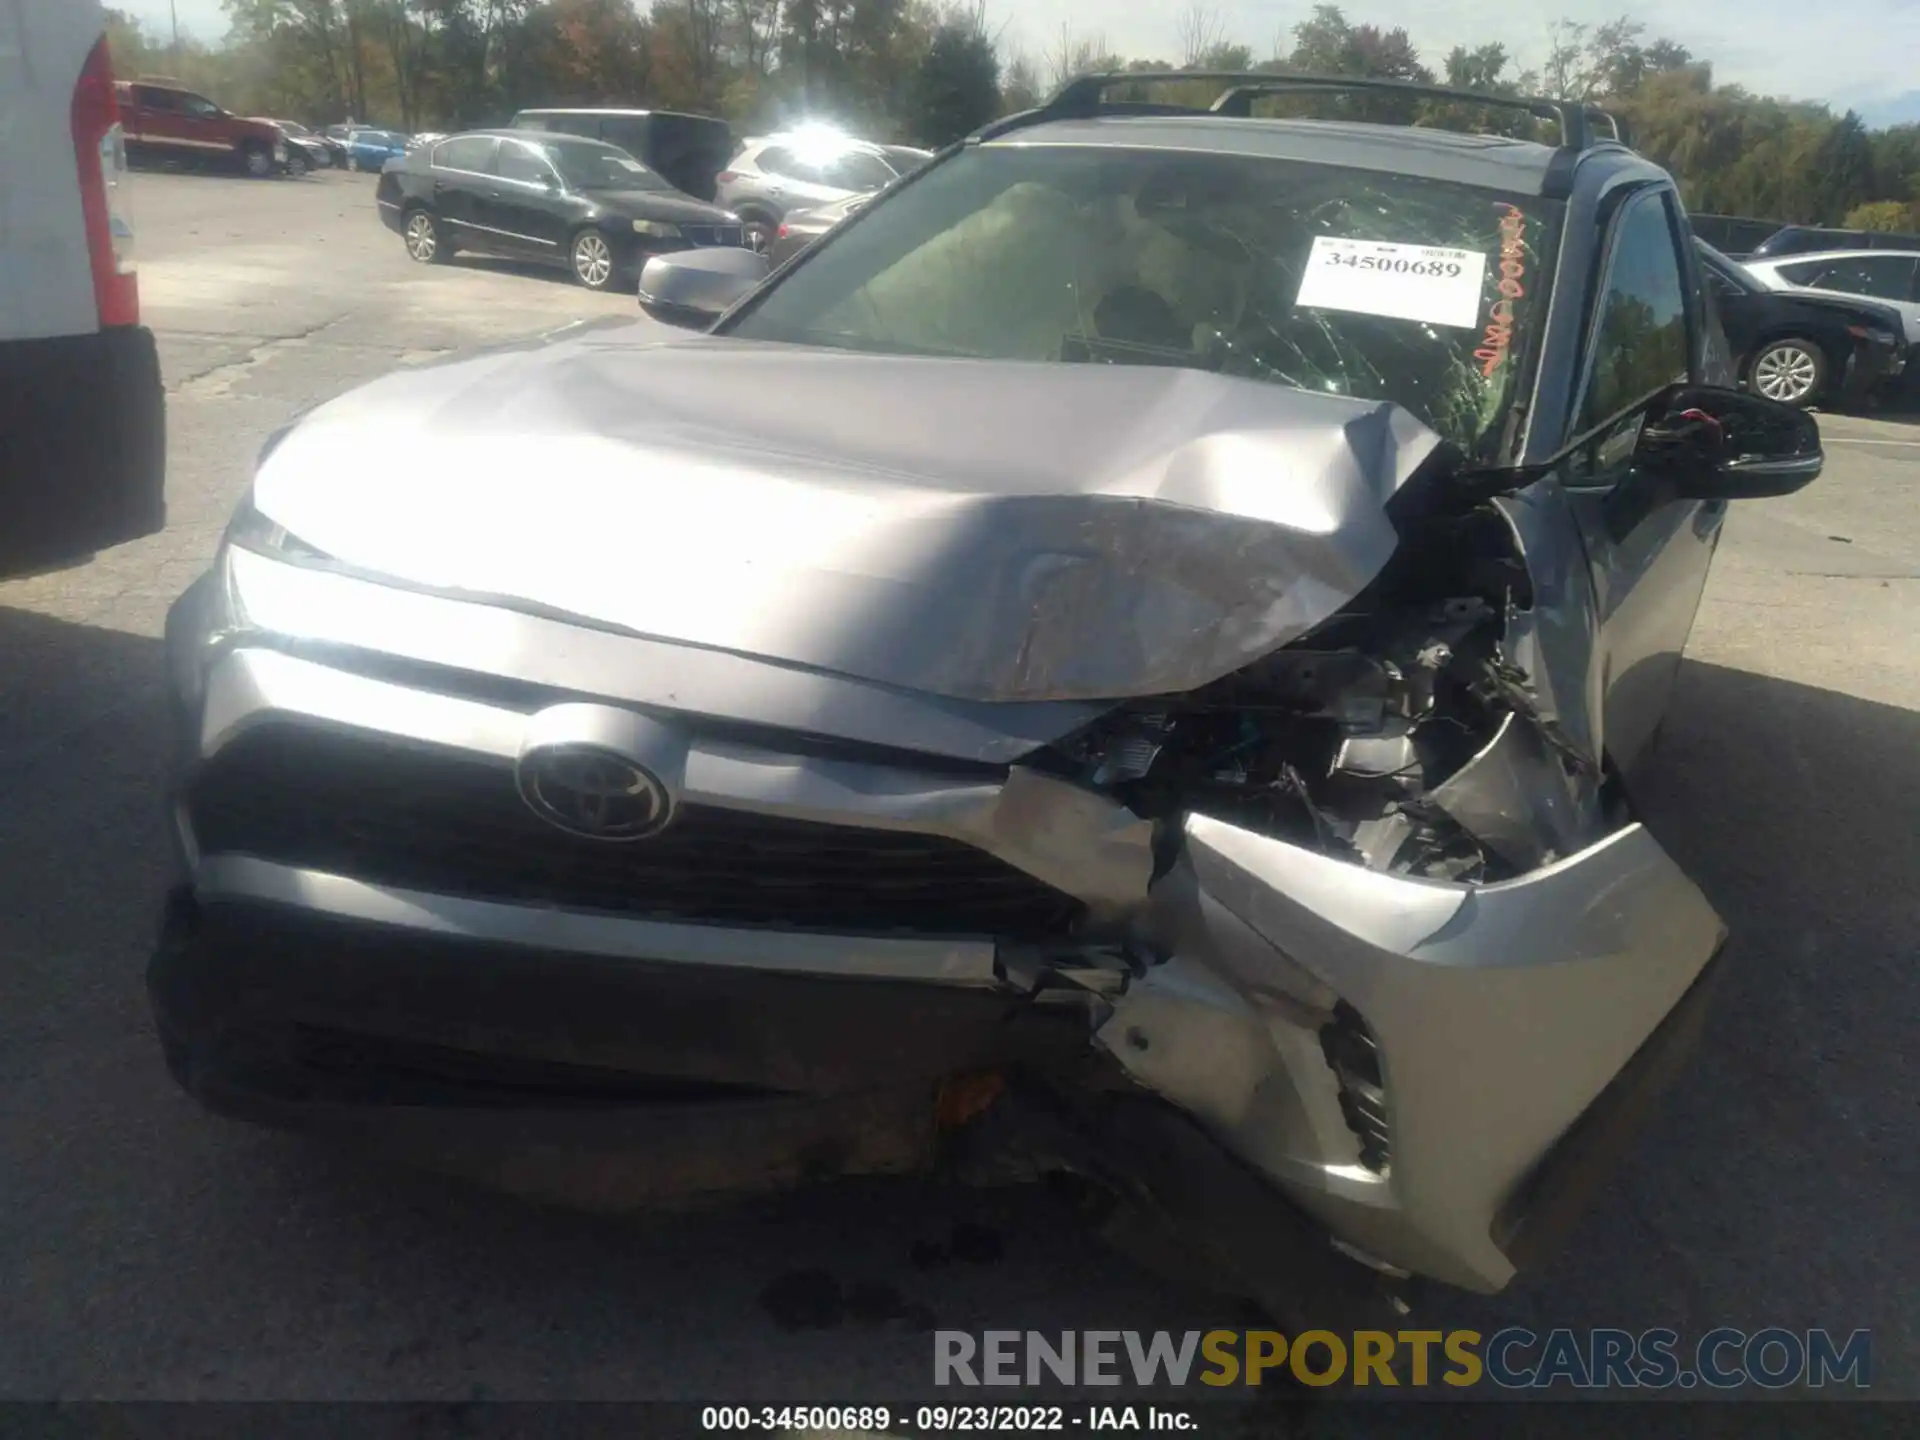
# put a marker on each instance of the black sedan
(577, 203)
(1804, 349)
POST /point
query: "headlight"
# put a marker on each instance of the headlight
(251, 530)
(658, 229)
(1873, 334)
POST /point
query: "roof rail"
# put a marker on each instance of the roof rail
(1084, 98)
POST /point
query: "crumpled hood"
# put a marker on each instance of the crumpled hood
(981, 530)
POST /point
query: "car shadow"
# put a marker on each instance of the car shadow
(532, 270)
(1773, 1188)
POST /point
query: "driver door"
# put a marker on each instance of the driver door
(526, 205)
(1648, 555)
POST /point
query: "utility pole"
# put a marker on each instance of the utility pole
(173, 8)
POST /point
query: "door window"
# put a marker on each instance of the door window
(1640, 334)
(473, 153)
(522, 163)
(857, 170)
(200, 107)
(148, 98)
(1884, 277)
(777, 161)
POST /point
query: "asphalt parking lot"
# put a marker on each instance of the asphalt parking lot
(149, 1251)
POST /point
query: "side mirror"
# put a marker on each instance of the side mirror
(696, 287)
(1706, 443)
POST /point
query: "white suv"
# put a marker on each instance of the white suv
(82, 409)
(775, 174)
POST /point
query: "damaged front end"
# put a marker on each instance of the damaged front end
(1403, 931)
(1196, 772)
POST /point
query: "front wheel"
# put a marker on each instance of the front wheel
(1793, 372)
(296, 164)
(592, 258)
(758, 232)
(425, 244)
(258, 161)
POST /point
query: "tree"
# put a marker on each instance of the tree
(957, 89)
(1077, 54)
(1201, 32)
(1843, 168)
(1886, 216)
(1019, 85)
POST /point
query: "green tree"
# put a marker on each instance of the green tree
(957, 87)
(1019, 85)
(1887, 216)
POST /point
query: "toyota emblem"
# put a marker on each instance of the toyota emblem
(595, 793)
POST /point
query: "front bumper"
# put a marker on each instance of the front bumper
(1417, 1066)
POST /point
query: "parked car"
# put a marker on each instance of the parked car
(305, 150)
(1732, 235)
(688, 150)
(775, 174)
(1060, 672)
(82, 409)
(165, 122)
(1804, 349)
(589, 207)
(334, 137)
(1791, 240)
(1891, 277)
(370, 150)
(802, 227)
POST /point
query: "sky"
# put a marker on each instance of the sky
(1850, 53)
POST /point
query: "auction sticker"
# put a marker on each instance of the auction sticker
(1431, 283)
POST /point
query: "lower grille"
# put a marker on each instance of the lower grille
(453, 824)
(1353, 1055)
(712, 234)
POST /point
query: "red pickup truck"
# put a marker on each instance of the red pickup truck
(166, 122)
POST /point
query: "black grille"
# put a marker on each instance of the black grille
(1353, 1054)
(441, 821)
(712, 234)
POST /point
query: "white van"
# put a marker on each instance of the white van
(82, 409)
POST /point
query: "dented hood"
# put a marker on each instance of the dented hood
(982, 530)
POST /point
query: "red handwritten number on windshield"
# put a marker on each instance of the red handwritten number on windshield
(1498, 338)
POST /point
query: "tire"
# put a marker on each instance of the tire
(296, 165)
(590, 257)
(426, 242)
(257, 161)
(759, 230)
(1790, 370)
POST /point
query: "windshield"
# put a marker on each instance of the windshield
(293, 127)
(588, 165)
(1379, 286)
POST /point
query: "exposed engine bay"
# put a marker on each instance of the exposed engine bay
(1399, 734)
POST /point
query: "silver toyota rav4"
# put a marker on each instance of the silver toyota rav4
(1131, 658)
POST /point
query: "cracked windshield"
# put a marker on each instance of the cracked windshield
(1377, 286)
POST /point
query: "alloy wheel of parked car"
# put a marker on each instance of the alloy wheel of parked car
(758, 233)
(296, 164)
(1791, 371)
(259, 161)
(592, 260)
(423, 238)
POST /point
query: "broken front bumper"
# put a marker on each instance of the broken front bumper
(1408, 1062)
